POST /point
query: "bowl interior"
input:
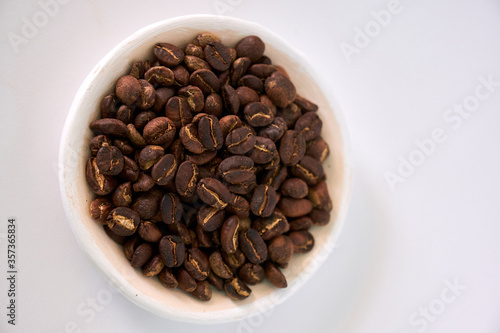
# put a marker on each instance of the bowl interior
(76, 196)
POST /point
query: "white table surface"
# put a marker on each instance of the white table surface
(401, 248)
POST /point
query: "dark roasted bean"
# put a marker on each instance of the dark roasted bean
(171, 208)
(194, 97)
(237, 289)
(203, 291)
(253, 246)
(172, 251)
(144, 183)
(309, 170)
(309, 125)
(167, 278)
(240, 67)
(153, 267)
(295, 207)
(178, 110)
(109, 126)
(240, 141)
(275, 276)
(218, 56)
(258, 114)
(251, 47)
(141, 255)
(147, 204)
(122, 197)
(280, 250)
(159, 131)
(294, 188)
(318, 149)
(210, 132)
(210, 218)
(149, 232)
(280, 89)
(303, 241)
(98, 182)
(263, 150)
(218, 265)
(164, 170)
(168, 54)
(229, 234)
(236, 169)
(292, 147)
(272, 226)
(100, 209)
(149, 155)
(185, 280)
(196, 263)
(264, 200)
(160, 75)
(251, 273)
(213, 192)
(123, 221)
(186, 179)
(206, 80)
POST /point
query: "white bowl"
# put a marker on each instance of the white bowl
(148, 293)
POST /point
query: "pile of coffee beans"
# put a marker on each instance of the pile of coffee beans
(207, 167)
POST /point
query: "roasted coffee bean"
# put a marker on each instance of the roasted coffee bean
(159, 131)
(246, 96)
(213, 105)
(147, 95)
(275, 276)
(167, 278)
(263, 150)
(216, 281)
(143, 118)
(309, 125)
(153, 267)
(205, 38)
(203, 236)
(280, 250)
(203, 158)
(149, 155)
(280, 89)
(203, 291)
(239, 206)
(97, 142)
(206, 80)
(229, 123)
(236, 169)
(172, 251)
(264, 60)
(178, 110)
(240, 67)
(280, 178)
(123, 221)
(160, 75)
(120, 240)
(251, 273)
(194, 50)
(237, 289)
(98, 182)
(210, 132)
(130, 170)
(305, 104)
(262, 71)
(320, 217)
(135, 137)
(290, 114)
(229, 234)
(320, 197)
(264, 200)
(213, 192)
(243, 188)
(109, 106)
(210, 218)
(258, 115)
(196, 263)
(253, 246)
(164, 170)
(301, 223)
(194, 97)
(318, 149)
(163, 94)
(125, 114)
(294, 188)
(218, 56)
(171, 208)
(218, 265)
(138, 69)
(111, 127)
(128, 89)
(234, 260)
(309, 170)
(144, 183)
(149, 232)
(168, 54)
(122, 196)
(292, 147)
(271, 226)
(123, 146)
(190, 139)
(185, 280)
(194, 63)
(147, 204)
(181, 230)
(267, 102)
(231, 100)
(240, 141)
(130, 245)
(252, 82)
(295, 207)
(100, 209)
(109, 160)
(224, 78)
(141, 255)
(181, 76)
(251, 47)
(275, 130)
(186, 179)
(303, 241)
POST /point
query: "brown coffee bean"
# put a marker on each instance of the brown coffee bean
(172, 251)
(229, 123)
(317, 149)
(229, 234)
(123, 146)
(206, 80)
(210, 132)
(236, 289)
(159, 131)
(275, 130)
(149, 155)
(213, 105)
(147, 204)
(280, 89)
(196, 264)
(143, 118)
(240, 141)
(320, 217)
(264, 60)
(244, 187)
(123, 221)
(98, 182)
(120, 240)
(109, 106)
(264, 200)
(168, 54)
(262, 71)
(130, 245)
(147, 95)
(186, 179)
(290, 114)
(252, 82)
(149, 232)
(185, 280)
(218, 265)
(239, 68)
(218, 56)
(263, 150)
(251, 47)
(213, 192)
(171, 208)
(100, 209)
(181, 76)
(234, 260)
(164, 170)
(190, 139)
(305, 104)
(203, 291)
(303, 241)
(295, 207)
(153, 267)
(224, 78)
(122, 196)
(231, 100)
(253, 246)
(141, 255)
(309, 125)
(194, 50)
(203, 236)
(236, 169)
(110, 127)
(194, 63)
(280, 250)
(144, 183)
(160, 75)
(301, 223)
(210, 218)
(275, 276)
(292, 147)
(294, 188)
(163, 94)
(125, 114)
(239, 206)
(194, 97)
(320, 197)
(109, 160)
(138, 69)
(167, 278)
(203, 158)
(205, 38)
(97, 142)
(246, 96)
(128, 89)
(271, 226)
(251, 273)
(309, 170)
(178, 110)
(258, 115)
(216, 281)
(130, 170)
(181, 230)
(135, 137)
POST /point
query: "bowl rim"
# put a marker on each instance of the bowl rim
(102, 263)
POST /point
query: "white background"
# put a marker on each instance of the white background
(397, 248)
